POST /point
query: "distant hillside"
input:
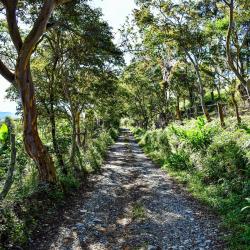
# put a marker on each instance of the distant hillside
(4, 114)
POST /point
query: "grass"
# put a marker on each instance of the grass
(213, 163)
(28, 203)
(138, 211)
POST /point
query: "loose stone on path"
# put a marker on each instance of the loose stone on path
(135, 205)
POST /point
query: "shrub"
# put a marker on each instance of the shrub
(225, 160)
(213, 162)
(198, 136)
(69, 182)
(113, 133)
(12, 229)
(163, 142)
(149, 140)
(138, 132)
(178, 161)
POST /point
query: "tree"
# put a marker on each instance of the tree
(240, 41)
(75, 56)
(22, 80)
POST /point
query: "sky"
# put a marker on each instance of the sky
(115, 12)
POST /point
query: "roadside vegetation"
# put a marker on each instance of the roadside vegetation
(185, 92)
(187, 99)
(68, 112)
(213, 163)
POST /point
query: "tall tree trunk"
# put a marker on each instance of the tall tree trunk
(201, 91)
(33, 144)
(55, 143)
(78, 129)
(218, 91)
(221, 114)
(231, 27)
(191, 100)
(23, 81)
(73, 141)
(212, 96)
(236, 108)
(201, 87)
(84, 142)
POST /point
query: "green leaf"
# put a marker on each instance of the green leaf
(3, 132)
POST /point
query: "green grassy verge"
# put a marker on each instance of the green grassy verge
(29, 203)
(213, 163)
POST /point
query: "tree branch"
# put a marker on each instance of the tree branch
(226, 2)
(6, 73)
(228, 47)
(38, 29)
(12, 23)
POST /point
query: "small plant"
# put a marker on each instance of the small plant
(69, 182)
(138, 211)
(198, 136)
(178, 161)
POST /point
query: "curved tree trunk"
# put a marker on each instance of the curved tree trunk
(22, 80)
(239, 72)
(33, 144)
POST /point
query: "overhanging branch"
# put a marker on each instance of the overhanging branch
(6, 73)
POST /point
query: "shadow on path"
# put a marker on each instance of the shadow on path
(133, 205)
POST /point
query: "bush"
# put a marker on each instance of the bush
(198, 136)
(178, 161)
(12, 229)
(163, 142)
(69, 182)
(138, 132)
(97, 149)
(113, 133)
(225, 160)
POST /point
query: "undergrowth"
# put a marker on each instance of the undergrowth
(213, 162)
(30, 201)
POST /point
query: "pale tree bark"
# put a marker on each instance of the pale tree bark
(238, 71)
(22, 79)
(201, 87)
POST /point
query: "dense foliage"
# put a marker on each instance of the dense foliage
(189, 58)
(68, 106)
(188, 90)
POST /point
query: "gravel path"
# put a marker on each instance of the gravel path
(135, 205)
